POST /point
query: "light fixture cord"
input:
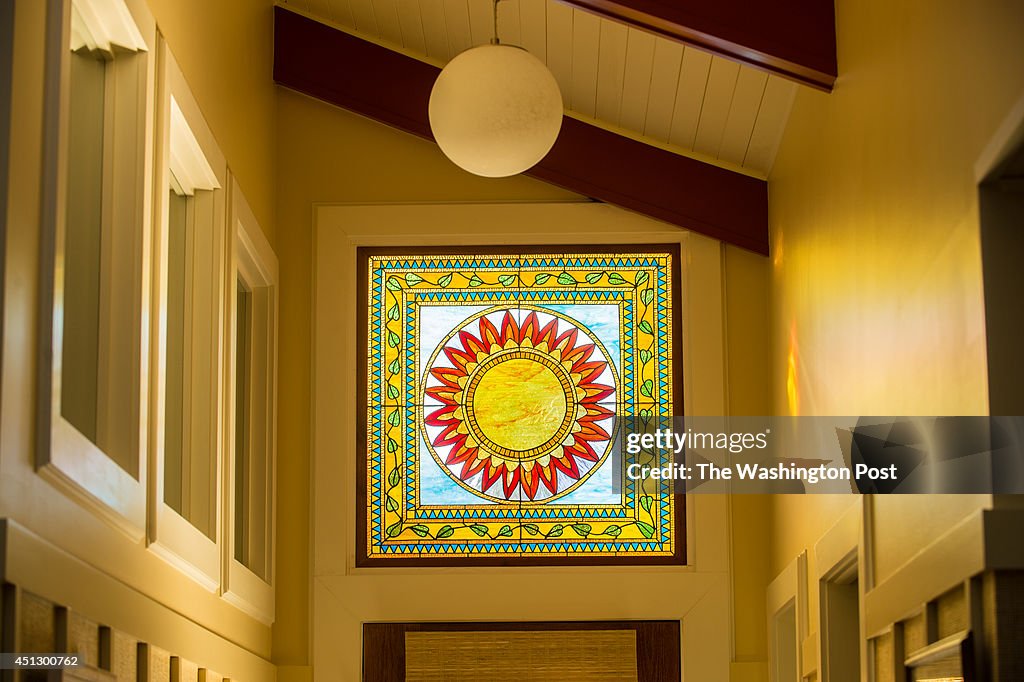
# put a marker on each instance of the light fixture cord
(494, 40)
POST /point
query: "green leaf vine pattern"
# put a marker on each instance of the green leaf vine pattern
(394, 284)
(570, 531)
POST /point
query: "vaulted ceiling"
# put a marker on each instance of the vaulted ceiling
(723, 99)
(622, 77)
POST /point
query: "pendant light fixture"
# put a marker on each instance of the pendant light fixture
(495, 110)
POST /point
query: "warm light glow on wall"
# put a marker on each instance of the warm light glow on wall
(792, 375)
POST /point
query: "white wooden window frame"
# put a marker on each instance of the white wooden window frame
(64, 456)
(254, 262)
(788, 591)
(837, 552)
(199, 163)
(6, 59)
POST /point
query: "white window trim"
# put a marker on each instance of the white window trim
(169, 535)
(788, 590)
(64, 456)
(105, 24)
(832, 555)
(187, 160)
(254, 261)
(6, 75)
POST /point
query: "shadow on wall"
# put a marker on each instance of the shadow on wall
(1001, 203)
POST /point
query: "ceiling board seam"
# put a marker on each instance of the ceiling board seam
(597, 80)
(351, 13)
(359, 17)
(700, 113)
(572, 52)
(346, 12)
(447, 33)
(423, 31)
(622, 82)
(643, 52)
(335, 14)
(650, 88)
(575, 42)
(732, 98)
(650, 81)
(760, 103)
(547, 52)
(376, 22)
(401, 29)
(475, 38)
(519, 9)
(675, 92)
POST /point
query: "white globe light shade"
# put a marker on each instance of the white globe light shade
(495, 110)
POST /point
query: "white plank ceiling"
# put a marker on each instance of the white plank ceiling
(645, 86)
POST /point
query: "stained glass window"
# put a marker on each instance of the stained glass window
(495, 388)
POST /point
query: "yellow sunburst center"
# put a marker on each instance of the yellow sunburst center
(519, 404)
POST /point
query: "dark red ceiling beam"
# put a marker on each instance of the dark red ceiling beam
(371, 80)
(793, 38)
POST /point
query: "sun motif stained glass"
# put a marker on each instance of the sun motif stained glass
(495, 389)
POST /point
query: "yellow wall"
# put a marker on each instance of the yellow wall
(747, 276)
(874, 210)
(876, 269)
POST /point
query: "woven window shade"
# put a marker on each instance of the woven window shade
(522, 656)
